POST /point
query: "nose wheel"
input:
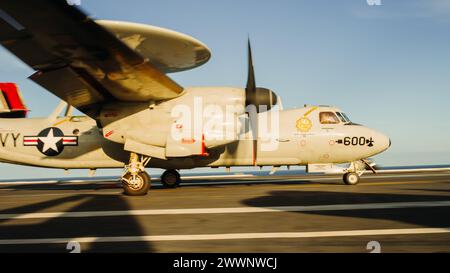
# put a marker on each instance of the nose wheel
(356, 170)
(351, 178)
(171, 179)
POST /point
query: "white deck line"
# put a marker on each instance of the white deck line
(86, 214)
(228, 236)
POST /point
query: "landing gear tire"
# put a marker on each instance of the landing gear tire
(351, 178)
(136, 185)
(170, 179)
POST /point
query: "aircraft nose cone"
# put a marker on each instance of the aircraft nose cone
(384, 142)
(380, 142)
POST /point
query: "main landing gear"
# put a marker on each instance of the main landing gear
(135, 181)
(171, 179)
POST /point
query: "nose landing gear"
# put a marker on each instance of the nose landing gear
(351, 178)
(356, 169)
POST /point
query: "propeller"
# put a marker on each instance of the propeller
(257, 100)
(262, 98)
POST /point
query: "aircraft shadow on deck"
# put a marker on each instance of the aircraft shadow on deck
(129, 226)
(424, 217)
(74, 227)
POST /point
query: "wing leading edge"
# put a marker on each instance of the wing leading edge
(78, 60)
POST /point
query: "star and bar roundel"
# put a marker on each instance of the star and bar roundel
(50, 141)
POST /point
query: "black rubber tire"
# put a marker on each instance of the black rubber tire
(171, 179)
(351, 179)
(143, 190)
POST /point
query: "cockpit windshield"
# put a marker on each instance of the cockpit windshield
(346, 117)
(343, 117)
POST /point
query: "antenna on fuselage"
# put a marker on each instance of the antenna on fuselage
(69, 111)
(62, 106)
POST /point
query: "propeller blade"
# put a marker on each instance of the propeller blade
(250, 96)
(262, 98)
(251, 83)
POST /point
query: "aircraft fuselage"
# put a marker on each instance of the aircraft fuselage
(77, 143)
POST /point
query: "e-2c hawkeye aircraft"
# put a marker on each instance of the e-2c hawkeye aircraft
(137, 117)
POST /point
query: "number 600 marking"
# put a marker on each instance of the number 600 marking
(355, 141)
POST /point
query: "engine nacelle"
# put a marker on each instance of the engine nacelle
(201, 118)
(221, 133)
(205, 118)
(264, 99)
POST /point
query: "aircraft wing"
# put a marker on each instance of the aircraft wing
(78, 60)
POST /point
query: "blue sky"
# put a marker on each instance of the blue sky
(387, 66)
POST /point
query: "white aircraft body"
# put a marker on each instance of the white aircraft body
(137, 117)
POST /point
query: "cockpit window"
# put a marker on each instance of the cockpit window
(343, 117)
(328, 118)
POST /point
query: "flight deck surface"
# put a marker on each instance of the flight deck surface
(402, 211)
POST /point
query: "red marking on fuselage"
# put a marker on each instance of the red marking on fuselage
(109, 133)
(203, 151)
(188, 141)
